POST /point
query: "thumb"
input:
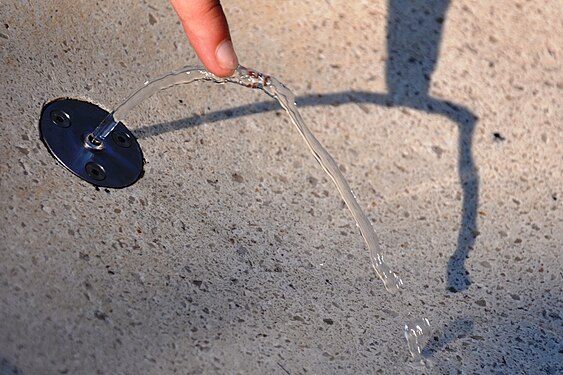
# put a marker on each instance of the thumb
(207, 29)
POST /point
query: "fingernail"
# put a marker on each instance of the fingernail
(226, 56)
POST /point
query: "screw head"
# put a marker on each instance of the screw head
(121, 139)
(60, 118)
(95, 171)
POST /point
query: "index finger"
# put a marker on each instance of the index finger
(208, 31)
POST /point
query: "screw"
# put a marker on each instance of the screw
(121, 139)
(92, 144)
(96, 171)
(60, 118)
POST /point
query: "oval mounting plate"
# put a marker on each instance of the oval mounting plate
(63, 126)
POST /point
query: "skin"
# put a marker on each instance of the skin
(208, 31)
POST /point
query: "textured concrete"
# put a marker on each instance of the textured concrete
(234, 253)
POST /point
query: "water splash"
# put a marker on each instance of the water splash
(416, 332)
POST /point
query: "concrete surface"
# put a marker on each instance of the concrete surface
(234, 254)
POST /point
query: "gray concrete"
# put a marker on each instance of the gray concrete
(234, 253)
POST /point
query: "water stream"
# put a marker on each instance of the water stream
(417, 331)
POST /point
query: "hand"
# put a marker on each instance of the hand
(207, 29)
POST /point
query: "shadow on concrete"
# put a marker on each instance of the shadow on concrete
(414, 33)
(459, 328)
(7, 368)
(504, 346)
